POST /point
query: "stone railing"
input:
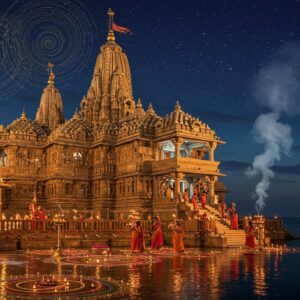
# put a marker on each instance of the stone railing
(15, 226)
(183, 164)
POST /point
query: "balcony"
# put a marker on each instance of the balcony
(186, 165)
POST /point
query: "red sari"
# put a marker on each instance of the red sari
(157, 236)
(137, 239)
(203, 200)
(234, 221)
(250, 238)
(194, 201)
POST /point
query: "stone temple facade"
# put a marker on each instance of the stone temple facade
(111, 156)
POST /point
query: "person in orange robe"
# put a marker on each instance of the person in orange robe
(234, 221)
(137, 238)
(250, 237)
(157, 235)
(203, 199)
(194, 201)
(223, 209)
(178, 234)
(186, 195)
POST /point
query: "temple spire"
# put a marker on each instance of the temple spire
(110, 36)
(50, 111)
(51, 74)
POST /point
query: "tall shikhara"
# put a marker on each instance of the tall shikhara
(112, 155)
(109, 97)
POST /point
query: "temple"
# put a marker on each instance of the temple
(111, 156)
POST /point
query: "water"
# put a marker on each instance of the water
(227, 274)
(293, 226)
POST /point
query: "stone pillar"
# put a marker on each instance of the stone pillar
(177, 192)
(177, 143)
(212, 148)
(211, 189)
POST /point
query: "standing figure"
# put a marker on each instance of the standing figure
(233, 206)
(223, 209)
(137, 238)
(234, 221)
(194, 201)
(157, 235)
(178, 234)
(186, 195)
(203, 199)
(250, 237)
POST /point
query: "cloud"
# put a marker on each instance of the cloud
(239, 166)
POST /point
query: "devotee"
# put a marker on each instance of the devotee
(203, 199)
(250, 237)
(234, 221)
(186, 195)
(178, 234)
(223, 209)
(233, 206)
(137, 238)
(194, 201)
(157, 235)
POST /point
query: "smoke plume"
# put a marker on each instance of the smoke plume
(276, 87)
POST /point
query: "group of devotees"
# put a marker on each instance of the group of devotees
(138, 237)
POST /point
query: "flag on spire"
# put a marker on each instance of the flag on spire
(120, 29)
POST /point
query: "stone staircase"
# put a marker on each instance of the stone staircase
(235, 238)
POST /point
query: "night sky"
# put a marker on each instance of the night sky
(206, 54)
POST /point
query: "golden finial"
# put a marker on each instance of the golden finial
(177, 106)
(51, 74)
(111, 36)
(23, 115)
(150, 110)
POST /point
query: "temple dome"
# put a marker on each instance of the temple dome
(23, 126)
(50, 112)
(75, 128)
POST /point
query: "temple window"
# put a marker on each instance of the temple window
(3, 158)
(167, 149)
(128, 104)
(67, 189)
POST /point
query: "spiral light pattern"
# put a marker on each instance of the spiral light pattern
(37, 31)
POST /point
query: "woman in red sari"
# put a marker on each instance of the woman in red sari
(178, 233)
(234, 221)
(194, 201)
(203, 199)
(137, 238)
(250, 237)
(157, 235)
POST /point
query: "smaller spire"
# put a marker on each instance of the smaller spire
(76, 115)
(139, 104)
(150, 110)
(23, 115)
(51, 74)
(177, 106)
(111, 35)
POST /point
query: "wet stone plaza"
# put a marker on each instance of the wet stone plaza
(211, 274)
